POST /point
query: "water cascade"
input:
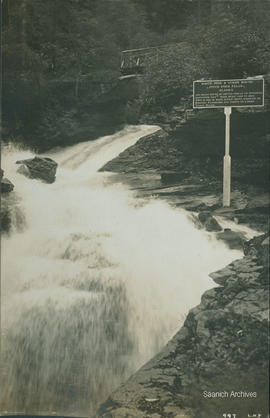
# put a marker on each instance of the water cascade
(95, 283)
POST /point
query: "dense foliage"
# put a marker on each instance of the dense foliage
(61, 59)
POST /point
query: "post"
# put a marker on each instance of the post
(227, 160)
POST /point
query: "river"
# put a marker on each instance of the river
(94, 283)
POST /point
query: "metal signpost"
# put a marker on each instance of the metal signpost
(227, 94)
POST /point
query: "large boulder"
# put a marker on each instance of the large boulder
(38, 168)
(6, 186)
(209, 222)
(234, 239)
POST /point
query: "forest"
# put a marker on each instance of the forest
(61, 60)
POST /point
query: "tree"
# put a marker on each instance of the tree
(171, 72)
(233, 47)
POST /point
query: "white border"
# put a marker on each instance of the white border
(232, 79)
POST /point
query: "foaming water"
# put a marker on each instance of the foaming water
(96, 283)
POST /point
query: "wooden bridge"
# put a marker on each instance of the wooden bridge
(134, 62)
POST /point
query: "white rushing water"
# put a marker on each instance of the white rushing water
(95, 283)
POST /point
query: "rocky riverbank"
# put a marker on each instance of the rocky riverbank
(222, 347)
(218, 362)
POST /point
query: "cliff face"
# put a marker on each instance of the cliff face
(222, 347)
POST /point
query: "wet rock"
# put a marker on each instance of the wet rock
(11, 214)
(209, 222)
(38, 168)
(235, 240)
(5, 219)
(6, 186)
(265, 250)
(146, 154)
(172, 177)
(222, 276)
(258, 247)
(5, 215)
(208, 298)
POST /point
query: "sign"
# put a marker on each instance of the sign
(247, 92)
(228, 93)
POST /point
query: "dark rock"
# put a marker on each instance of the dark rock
(235, 240)
(11, 213)
(210, 223)
(258, 247)
(146, 154)
(265, 250)
(204, 216)
(38, 168)
(5, 219)
(6, 186)
(172, 177)
(222, 276)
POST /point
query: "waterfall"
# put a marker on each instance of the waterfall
(95, 283)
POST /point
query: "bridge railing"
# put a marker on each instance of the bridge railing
(135, 61)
